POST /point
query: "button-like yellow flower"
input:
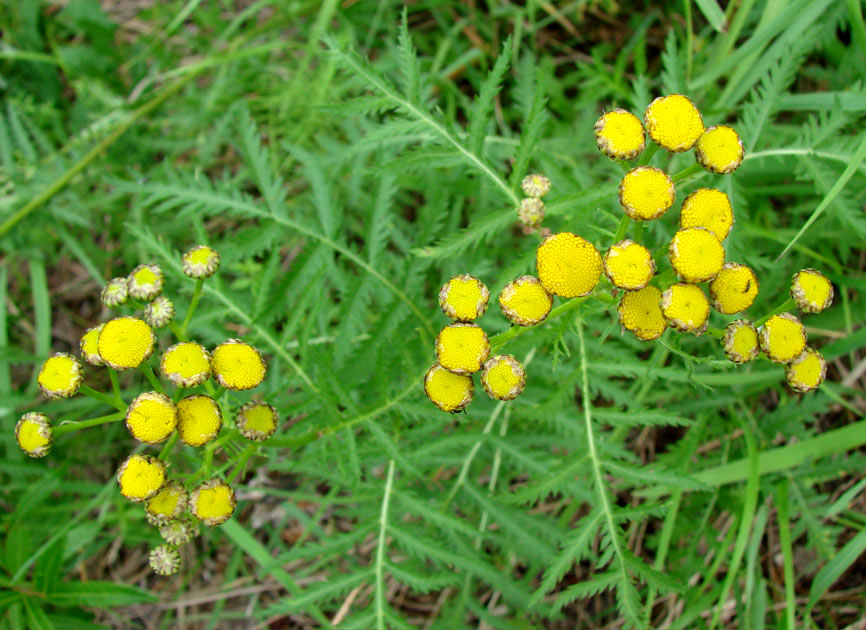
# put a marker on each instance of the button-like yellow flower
(145, 282)
(34, 434)
(811, 290)
(125, 342)
(462, 348)
(213, 502)
(164, 560)
(464, 298)
(535, 185)
(201, 262)
(696, 254)
(257, 420)
(741, 341)
(628, 265)
(186, 364)
(525, 302)
(568, 265)
(60, 376)
(169, 503)
(151, 417)
(115, 292)
(503, 377)
(734, 289)
(448, 391)
(720, 150)
(640, 312)
(782, 338)
(159, 312)
(806, 372)
(531, 211)
(619, 135)
(646, 193)
(140, 477)
(708, 208)
(199, 419)
(685, 308)
(237, 365)
(88, 346)
(673, 122)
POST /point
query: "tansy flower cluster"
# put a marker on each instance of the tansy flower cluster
(191, 404)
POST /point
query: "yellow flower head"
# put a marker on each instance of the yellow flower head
(640, 312)
(159, 312)
(125, 342)
(734, 289)
(151, 417)
(708, 208)
(685, 308)
(34, 434)
(199, 419)
(720, 150)
(811, 290)
(628, 265)
(167, 504)
(535, 185)
(782, 338)
(88, 346)
(741, 341)
(525, 302)
(696, 254)
(213, 502)
(673, 122)
(568, 265)
(60, 376)
(806, 372)
(186, 364)
(237, 365)
(140, 477)
(646, 193)
(503, 377)
(448, 391)
(619, 135)
(164, 560)
(145, 282)
(462, 348)
(115, 292)
(531, 211)
(257, 421)
(464, 298)
(201, 262)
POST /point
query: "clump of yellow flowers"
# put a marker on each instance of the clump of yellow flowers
(191, 404)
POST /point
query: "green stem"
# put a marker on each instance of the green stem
(196, 296)
(622, 229)
(687, 173)
(242, 462)
(648, 154)
(154, 381)
(166, 450)
(69, 427)
(787, 553)
(787, 305)
(638, 232)
(497, 341)
(716, 333)
(111, 401)
(115, 383)
(181, 335)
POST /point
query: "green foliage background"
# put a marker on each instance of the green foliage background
(345, 166)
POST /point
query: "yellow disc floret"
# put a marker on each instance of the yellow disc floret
(213, 502)
(201, 262)
(169, 503)
(151, 417)
(640, 312)
(807, 371)
(708, 208)
(685, 308)
(140, 477)
(462, 348)
(811, 290)
(646, 193)
(186, 364)
(448, 391)
(145, 282)
(782, 338)
(696, 254)
(628, 265)
(503, 377)
(34, 434)
(673, 122)
(199, 419)
(720, 150)
(257, 421)
(60, 376)
(741, 341)
(464, 298)
(88, 346)
(734, 289)
(619, 135)
(237, 365)
(568, 265)
(525, 302)
(125, 342)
